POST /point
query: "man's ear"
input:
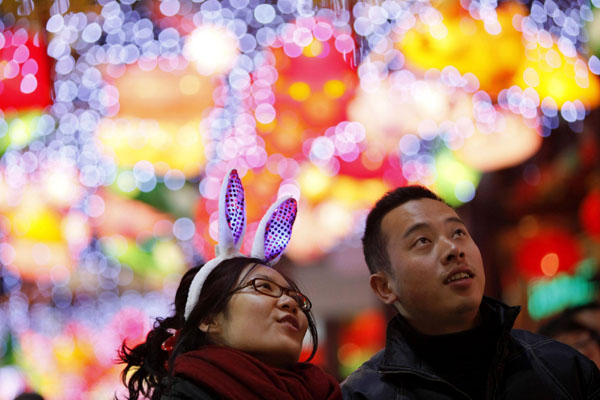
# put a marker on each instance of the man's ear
(381, 284)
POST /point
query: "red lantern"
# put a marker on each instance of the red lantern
(24, 71)
(366, 330)
(548, 253)
(387, 167)
(312, 93)
(589, 213)
(358, 341)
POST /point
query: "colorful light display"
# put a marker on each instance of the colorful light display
(119, 118)
(548, 296)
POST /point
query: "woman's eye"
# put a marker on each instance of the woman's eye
(460, 232)
(265, 285)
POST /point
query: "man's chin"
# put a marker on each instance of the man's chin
(468, 308)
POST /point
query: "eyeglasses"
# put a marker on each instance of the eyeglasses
(272, 289)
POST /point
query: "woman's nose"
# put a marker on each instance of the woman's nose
(286, 302)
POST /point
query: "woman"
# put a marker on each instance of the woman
(238, 326)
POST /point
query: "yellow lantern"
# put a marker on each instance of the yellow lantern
(168, 144)
(458, 40)
(551, 73)
(42, 237)
(159, 119)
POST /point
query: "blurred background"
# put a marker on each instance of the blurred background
(119, 119)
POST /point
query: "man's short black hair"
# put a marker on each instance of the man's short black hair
(374, 241)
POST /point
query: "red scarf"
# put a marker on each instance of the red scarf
(235, 375)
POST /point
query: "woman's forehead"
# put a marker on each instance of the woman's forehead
(262, 271)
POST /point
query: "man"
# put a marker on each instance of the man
(567, 328)
(448, 341)
(588, 314)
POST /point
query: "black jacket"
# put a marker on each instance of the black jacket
(525, 366)
(182, 389)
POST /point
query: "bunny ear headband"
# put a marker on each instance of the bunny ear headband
(272, 236)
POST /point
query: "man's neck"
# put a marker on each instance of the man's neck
(445, 327)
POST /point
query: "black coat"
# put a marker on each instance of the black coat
(525, 366)
(182, 389)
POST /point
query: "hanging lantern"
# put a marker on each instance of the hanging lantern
(404, 105)
(511, 142)
(152, 260)
(328, 210)
(24, 71)
(314, 84)
(176, 95)
(589, 213)
(159, 120)
(548, 253)
(563, 78)
(456, 39)
(360, 339)
(318, 229)
(43, 236)
(371, 165)
(169, 145)
(113, 221)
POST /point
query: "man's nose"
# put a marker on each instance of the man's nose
(451, 251)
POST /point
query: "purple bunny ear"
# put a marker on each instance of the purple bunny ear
(275, 230)
(232, 225)
(232, 213)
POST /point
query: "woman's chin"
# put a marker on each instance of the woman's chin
(279, 359)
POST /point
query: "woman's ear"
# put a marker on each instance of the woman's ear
(204, 327)
(382, 286)
(210, 325)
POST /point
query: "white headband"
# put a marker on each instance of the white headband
(272, 236)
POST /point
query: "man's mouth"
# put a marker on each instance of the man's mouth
(458, 276)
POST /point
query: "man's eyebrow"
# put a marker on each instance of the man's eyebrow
(456, 219)
(422, 225)
(415, 227)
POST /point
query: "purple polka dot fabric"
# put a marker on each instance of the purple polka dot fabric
(278, 230)
(234, 202)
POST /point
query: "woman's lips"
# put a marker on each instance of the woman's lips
(290, 319)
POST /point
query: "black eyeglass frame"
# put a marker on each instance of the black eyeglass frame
(303, 302)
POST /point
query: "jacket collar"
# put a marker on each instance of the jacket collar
(398, 355)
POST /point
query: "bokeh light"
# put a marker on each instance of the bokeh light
(118, 120)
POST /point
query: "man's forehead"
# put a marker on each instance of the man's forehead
(421, 211)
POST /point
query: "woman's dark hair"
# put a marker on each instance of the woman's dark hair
(145, 371)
